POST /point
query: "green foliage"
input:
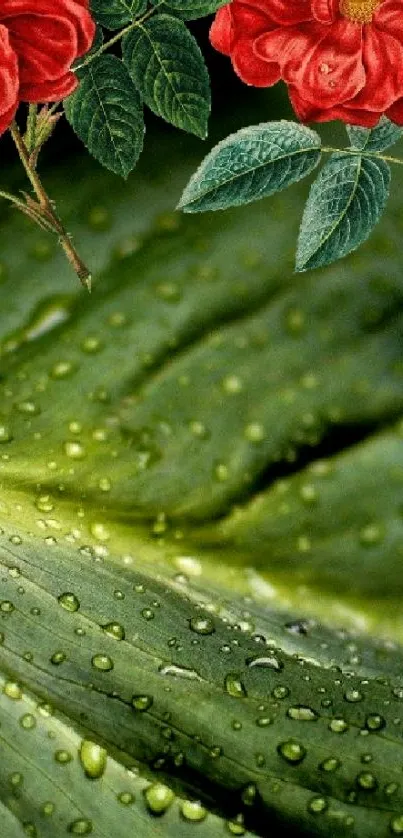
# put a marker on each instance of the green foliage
(168, 69)
(106, 113)
(345, 202)
(380, 138)
(253, 163)
(344, 205)
(113, 14)
(143, 618)
(192, 9)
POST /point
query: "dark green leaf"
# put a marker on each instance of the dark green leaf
(192, 9)
(113, 14)
(168, 69)
(251, 164)
(344, 205)
(186, 655)
(380, 138)
(106, 113)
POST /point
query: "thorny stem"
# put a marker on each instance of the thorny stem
(48, 211)
(119, 35)
(362, 153)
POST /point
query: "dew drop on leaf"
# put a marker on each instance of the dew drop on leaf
(158, 798)
(102, 662)
(93, 759)
(69, 602)
(292, 751)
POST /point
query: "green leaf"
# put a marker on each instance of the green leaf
(251, 164)
(106, 114)
(192, 9)
(113, 14)
(380, 138)
(147, 624)
(168, 69)
(345, 203)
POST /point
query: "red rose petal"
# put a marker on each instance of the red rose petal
(221, 30)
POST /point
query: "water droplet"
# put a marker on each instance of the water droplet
(62, 369)
(232, 384)
(371, 535)
(28, 721)
(308, 493)
(158, 798)
(93, 759)
(353, 696)
(265, 661)
(254, 432)
(198, 429)
(102, 662)
(141, 703)
(396, 825)
(367, 781)
(74, 449)
(99, 218)
(44, 503)
(114, 630)
(280, 692)
(294, 321)
(292, 751)
(5, 434)
(58, 657)
(179, 672)
(28, 408)
(298, 626)
(63, 757)
(202, 625)
(91, 344)
(330, 764)
(302, 713)
(375, 722)
(6, 607)
(236, 826)
(12, 690)
(248, 794)
(69, 602)
(221, 472)
(82, 826)
(317, 805)
(234, 685)
(126, 798)
(193, 811)
(338, 725)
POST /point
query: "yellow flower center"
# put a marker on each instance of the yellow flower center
(359, 11)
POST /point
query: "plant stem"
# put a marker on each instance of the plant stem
(362, 153)
(118, 36)
(31, 126)
(48, 210)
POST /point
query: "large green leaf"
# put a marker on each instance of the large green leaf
(162, 668)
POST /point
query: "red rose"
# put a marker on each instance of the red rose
(341, 59)
(39, 40)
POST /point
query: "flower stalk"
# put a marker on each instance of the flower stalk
(42, 211)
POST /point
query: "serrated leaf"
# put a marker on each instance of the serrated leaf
(168, 69)
(106, 114)
(192, 9)
(345, 203)
(252, 163)
(380, 138)
(113, 14)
